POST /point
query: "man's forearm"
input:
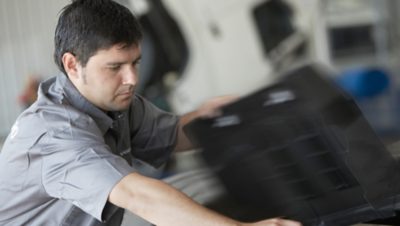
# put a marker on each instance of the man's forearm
(162, 204)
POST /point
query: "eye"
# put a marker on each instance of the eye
(136, 63)
(115, 68)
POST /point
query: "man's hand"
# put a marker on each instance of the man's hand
(210, 109)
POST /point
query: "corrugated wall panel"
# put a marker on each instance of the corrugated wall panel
(26, 47)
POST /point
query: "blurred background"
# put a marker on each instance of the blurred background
(194, 50)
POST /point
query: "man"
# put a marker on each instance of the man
(69, 158)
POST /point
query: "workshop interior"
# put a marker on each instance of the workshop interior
(319, 77)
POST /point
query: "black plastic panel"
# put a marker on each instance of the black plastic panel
(300, 149)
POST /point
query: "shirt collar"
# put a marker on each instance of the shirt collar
(103, 121)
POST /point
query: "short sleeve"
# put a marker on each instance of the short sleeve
(154, 132)
(79, 167)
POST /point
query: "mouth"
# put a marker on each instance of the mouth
(126, 94)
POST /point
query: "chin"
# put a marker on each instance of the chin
(123, 106)
(120, 104)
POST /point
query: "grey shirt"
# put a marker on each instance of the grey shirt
(63, 156)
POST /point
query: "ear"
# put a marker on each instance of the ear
(71, 66)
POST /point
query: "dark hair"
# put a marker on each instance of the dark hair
(86, 26)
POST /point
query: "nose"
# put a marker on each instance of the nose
(130, 76)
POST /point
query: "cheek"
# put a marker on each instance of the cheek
(106, 82)
(110, 85)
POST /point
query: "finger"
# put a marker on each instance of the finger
(278, 222)
(285, 222)
(224, 100)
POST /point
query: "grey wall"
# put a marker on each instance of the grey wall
(26, 46)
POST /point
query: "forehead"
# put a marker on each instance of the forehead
(121, 52)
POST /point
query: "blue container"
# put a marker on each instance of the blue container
(364, 82)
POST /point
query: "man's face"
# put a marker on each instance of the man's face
(110, 77)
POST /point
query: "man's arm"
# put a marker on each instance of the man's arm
(209, 109)
(161, 204)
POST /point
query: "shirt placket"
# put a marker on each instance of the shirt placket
(115, 139)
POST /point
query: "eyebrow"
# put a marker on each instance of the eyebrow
(116, 63)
